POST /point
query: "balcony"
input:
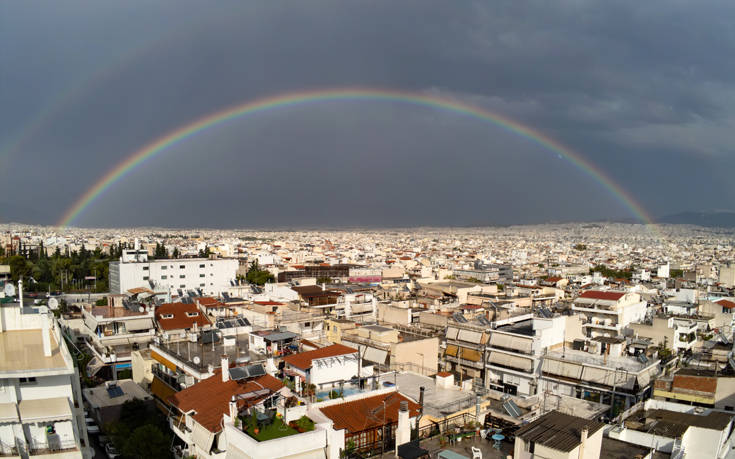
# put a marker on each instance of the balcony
(53, 447)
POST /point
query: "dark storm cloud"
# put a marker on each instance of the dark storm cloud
(643, 90)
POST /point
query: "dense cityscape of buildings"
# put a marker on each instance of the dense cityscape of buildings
(553, 341)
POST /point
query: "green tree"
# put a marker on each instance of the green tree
(258, 276)
(146, 442)
(324, 280)
(19, 267)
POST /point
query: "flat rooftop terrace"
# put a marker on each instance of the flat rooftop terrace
(626, 363)
(437, 402)
(22, 350)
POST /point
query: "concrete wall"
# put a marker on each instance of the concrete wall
(393, 314)
(725, 393)
(424, 352)
(215, 275)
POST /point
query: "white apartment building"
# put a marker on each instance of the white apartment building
(211, 276)
(514, 351)
(41, 412)
(606, 313)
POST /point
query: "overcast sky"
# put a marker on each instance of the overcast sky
(642, 90)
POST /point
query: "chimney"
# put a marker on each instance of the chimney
(46, 335)
(583, 440)
(233, 408)
(403, 430)
(225, 368)
(422, 389)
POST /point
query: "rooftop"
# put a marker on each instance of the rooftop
(22, 350)
(673, 424)
(558, 431)
(437, 401)
(127, 390)
(304, 360)
(210, 397)
(369, 412)
(630, 364)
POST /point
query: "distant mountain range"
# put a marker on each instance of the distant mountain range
(709, 218)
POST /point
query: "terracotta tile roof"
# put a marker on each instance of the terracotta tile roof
(725, 303)
(444, 374)
(599, 295)
(695, 383)
(209, 302)
(553, 279)
(303, 360)
(367, 413)
(180, 319)
(210, 398)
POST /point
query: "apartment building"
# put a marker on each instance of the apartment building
(516, 346)
(606, 313)
(557, 435)
(325, 366)
(204, 275)
(600, 369)
(113, 332)
(41, 412)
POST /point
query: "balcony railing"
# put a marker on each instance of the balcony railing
(51, 446)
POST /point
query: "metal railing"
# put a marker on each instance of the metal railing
(51, 445)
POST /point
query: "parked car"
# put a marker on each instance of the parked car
(103, 440)
(92, 428)
(111, 452)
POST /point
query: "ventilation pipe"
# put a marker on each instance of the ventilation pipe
(46, 335)
(225, 368)
(403, 430)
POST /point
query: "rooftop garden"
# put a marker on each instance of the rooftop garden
(263, 428)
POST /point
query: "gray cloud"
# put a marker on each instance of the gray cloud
(641, 90)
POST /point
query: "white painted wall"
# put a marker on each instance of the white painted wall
(212, 276)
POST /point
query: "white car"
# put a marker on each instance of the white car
(92, 428)
(111, 452)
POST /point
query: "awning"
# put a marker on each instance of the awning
(469, 336)
(596, 375)
(162, 360)
(139, 324)
(90, 322)
(452, 333)
(469, 354)
(8, 412)
(559, 368)
(375, 355)
(644, 378)
(161, 390)
(501, 340)
(45, 409)
(511, 361)
(451, 350)
(202, 437)
(523, 344)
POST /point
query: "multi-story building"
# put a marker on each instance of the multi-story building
(606, 313)
(204, 275)
(114, 331)
(40, 397)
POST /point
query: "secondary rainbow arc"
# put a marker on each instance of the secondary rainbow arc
(191, 129)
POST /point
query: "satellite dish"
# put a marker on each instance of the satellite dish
(196, 360)
(141, 309)
(9, 290)
(43, 310)
(53, 303)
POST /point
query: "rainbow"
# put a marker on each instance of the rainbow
(183, 133)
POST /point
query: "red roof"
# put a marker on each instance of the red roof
(367, 413)
(696, 383)
(180, 320)
(599, 295)
(725, 303)
(209, 302)
(268, 303)
(210, 397)
(553, 279)
(303, 360)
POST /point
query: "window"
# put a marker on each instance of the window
(167, 316)
(182, 266)
(192, 314)
(163, 268)
(31, 380)
(182, 286)
(145, 268)
(164, 277)
(145, 277)
(201, 275)
(202, 285)
(182, 276)
(729, 408)
(202, 266)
